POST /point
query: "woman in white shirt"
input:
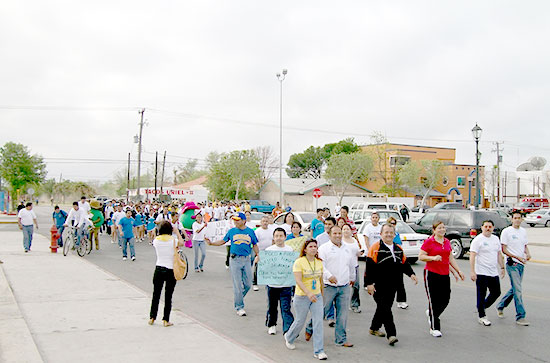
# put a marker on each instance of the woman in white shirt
(287, 226)
(353, 245)
(199, 230)
(164, 272)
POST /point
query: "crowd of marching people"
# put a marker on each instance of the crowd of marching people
(327, 281)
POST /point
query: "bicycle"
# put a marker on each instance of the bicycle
(84, 247)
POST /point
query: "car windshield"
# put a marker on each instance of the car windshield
(403, 227)
(539, 212)
(308, 217)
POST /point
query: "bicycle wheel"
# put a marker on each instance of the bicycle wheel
(67, 245)
(184, 258)
(81, 249)
(89, 246)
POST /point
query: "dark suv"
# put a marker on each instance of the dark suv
(462, 225)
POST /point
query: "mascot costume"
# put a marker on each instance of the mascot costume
(97, 219)
(187, 219)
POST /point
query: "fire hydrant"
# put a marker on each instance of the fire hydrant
(55, 237)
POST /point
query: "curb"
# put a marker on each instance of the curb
(8, 222)
(544, 262)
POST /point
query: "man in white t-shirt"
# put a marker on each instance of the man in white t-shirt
(372, 231)
(117, 216)
(486, 263)
(514, 245)
(84, 205)
(25, 219)
(278, 294)
(325, 237)
(264, 234)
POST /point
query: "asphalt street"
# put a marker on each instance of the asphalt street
(208, 297)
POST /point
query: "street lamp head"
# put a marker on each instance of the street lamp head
(476, 132)
(285, 72)
(278, 75)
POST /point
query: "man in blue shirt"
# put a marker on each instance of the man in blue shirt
(59, 216)
(126, 230)
(318, 224)
(243, 241)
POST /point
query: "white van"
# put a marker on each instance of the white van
(376, 205)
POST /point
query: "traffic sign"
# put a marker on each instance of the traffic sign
(317, 193)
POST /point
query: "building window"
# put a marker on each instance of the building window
(397, 161)
(445, 181)
(461, 181)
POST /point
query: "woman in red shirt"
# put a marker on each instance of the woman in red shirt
(436, 252)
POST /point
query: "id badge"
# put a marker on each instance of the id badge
(313, 284)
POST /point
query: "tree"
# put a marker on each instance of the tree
(307, 164)
(310, 163)
(268, 164)
(424, 174)
(229, 174)
(19, 168)
(189, 171)
(345, 169)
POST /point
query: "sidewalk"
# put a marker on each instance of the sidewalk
(64, 309)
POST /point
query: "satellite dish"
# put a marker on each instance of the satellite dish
(538, 162)
(525, 167)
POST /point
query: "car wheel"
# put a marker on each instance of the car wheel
(457, 249)
(412, 260)
(531, 224)
(547, 223)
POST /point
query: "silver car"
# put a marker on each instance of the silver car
(305, 219)
(411, 241)
(540, 217)
(359, 216)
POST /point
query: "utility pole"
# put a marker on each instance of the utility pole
(156, 167)
(142, 111)
(162, 174)
(128, 181)
(499, 160)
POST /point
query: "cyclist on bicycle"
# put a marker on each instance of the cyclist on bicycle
(78, 219)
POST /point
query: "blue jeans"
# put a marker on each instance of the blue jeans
(279, 296)
(516, 276)
(340, 296)
(60, 230)
(125, 242)
(196, 246)
(302, 305)
(79, 234)
(241, 272)
(27, 237)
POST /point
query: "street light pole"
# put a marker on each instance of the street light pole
(281, 78)
(476, 132)
(139, 154)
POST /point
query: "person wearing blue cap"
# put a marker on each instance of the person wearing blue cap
(243, 240)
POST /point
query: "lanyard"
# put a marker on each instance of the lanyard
(312, 268)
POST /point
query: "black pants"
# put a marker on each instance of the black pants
(281, 296)
(438, 289)
(162, 275)
(227, 256)
(383, 315)
(483, 283)
(401, 293)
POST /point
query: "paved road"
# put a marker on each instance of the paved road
(208, 297)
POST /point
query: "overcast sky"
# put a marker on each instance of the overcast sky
(73, 75)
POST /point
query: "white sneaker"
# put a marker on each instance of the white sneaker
(484, 321)
(112, 241)
(226, 267)
(255, 288)
(241, 312)
(124, 258)
(288, 345)
(134, 258)
(321, 356)
(272, 330)
(435, 333)
(402, 305)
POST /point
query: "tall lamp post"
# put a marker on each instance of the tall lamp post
(476, 132)
(281, 78)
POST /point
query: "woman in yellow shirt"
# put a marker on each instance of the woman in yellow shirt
(308, 271)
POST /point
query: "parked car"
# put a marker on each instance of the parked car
(412, 241)
(502, 213)
(359, 216)
(261, 206)
(462, 225)
(540, 217)
(417, 213)
(305, 219)
(449, 205)
(377, 205)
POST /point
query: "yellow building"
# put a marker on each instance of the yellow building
(458, 183)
